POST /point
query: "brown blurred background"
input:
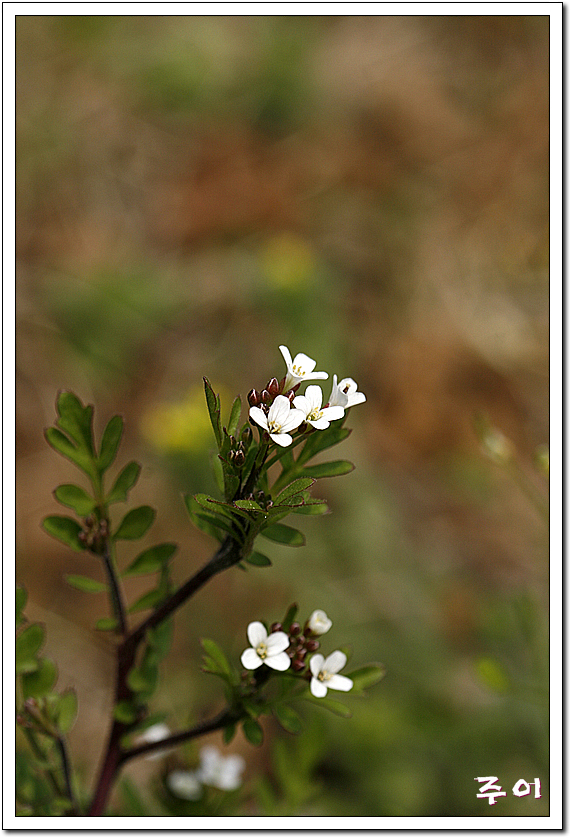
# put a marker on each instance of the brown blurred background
(373, 191)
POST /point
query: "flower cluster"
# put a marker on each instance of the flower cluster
(281, 650)
(279, 411)
(214, 770)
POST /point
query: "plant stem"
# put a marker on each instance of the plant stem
(223, 719)
(67, 774)
(116, 599)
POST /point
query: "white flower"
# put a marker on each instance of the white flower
(310, 404)
(154, 734)
(300, 369)
(324, 672)
(220, 771)
(281, 418)
(345, 393)
(319, 622)
(185, 784)
(268, 649)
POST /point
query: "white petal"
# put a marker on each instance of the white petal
(315, 375)
(280, 662)
(318, 688)
(314, 395)
(319, 622)
(319, 424)
(282, 439)
(279, 410)
(306, 363)
(259, 417)
(333, 412)
(257, 633)
(287, 356)
(184, 784)
(348, 386)
(250, 659)
(293, 420)
(340, 682)
(301, 403)
(357, 398)
(316, 664)
(277, 641)
(335, 661)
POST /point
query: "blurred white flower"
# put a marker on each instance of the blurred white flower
(268, 649)
(220, 771)
(324, 672)
(345, 394)
(300, 369)
(319, 622)
(281, 419)
(155, 733)
(185, 784)
(310, 404)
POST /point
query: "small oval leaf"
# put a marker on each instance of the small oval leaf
(106, 624)
(258, 559)
(28, 644)
(125, 481)
(288, 718)
(76, 498)
(85, 584)
(253, 731)
(64, 529)
(37, 684)
(66, 711)
(151, 560)
(110, 443)
(135, 523)
(333, 469)
(283, 534)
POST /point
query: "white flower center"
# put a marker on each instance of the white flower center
(262, 651)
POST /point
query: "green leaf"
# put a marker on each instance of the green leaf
(213, 404)
(125, 712)
(217, 655)
(106, 624)
(322, 440)
(110, 443)
(125, 481)
(28, 644)
(86, 584)
(228, 734)
(290, 616)
(148, 600)
(76, 498)
(312, 507)
(63, 445)
(258, 559)
(284, 535)
(142, 681)
(332, 469)
(253, 731)
(288, 718)
(234, 416)
(213, 505)
(66, 711)
(135, 523)
(248, 505)
(64, 529)
(37, 684)
(76, 420)
(294, 488)
(160, 637)
(366, 676)
(151, 560)
(21, 599)
(335, 707)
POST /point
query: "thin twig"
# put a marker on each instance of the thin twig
(67, 774)
(116, 599)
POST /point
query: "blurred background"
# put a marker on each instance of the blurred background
(372, 191)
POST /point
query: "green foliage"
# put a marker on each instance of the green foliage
(151, 560)
(76, 498)
(86, 584)
(110, 443)
(125, 481)
(65, 530)
(284, 534)
(253, 731)
(135, 523)
(28, 643)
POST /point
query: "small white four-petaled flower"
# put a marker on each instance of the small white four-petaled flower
(324, 674)
(345, 394)
(219, 771)
(300, 369)
(266, 648)
(310, 404)
(281, 419)
(319, 622)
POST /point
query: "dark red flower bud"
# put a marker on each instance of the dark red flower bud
(294, 629)
(300, 654)
(266, 396)
(239, 459)
(276, 627)
(312, 645)
(297, 665)
(246, 437)
(254, 398)
(273, 387)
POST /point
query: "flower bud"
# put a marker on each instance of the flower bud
(246, 437)
(273, 387)
(266, 397)
(276, 627)
(319, 622)
(254, 398)
(239, 458)
(297, 665)
(312, 645)
(294, 629)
